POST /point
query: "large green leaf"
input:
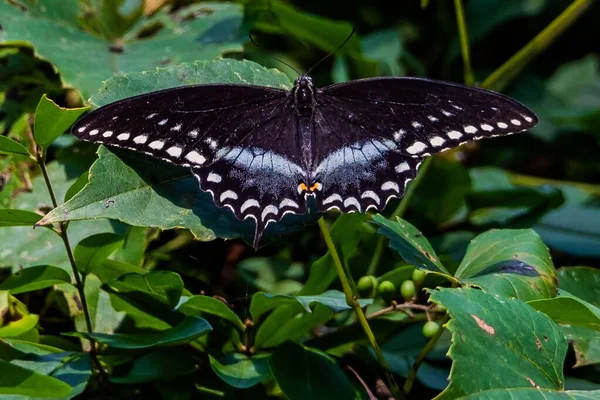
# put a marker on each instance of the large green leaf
(85, 59)
(164, 286)
(534, 394)
(586, 344)
(241, 371)
(410, 243)
(490, 350)
(334, 299)
(305, 373)
(34, 278)
(509, 262)
(189, 329)
(20, 381)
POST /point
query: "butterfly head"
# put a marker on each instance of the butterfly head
(303, 89)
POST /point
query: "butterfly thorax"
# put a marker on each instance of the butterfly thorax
(304, 103)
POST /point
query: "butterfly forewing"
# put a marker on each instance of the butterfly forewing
(187, 126)
(422, 116)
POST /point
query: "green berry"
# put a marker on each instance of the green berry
(407, 289)
(418, 276)
(366, 286)
(430, 329)
(386, 291)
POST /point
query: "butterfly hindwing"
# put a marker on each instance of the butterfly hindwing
(420, 117)
(253, 179)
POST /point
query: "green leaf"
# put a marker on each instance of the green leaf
(569, 310)
(333, 299)
(21, 381)
(510, 262)
(92, 251)
(51, 121)
(162, 365)
(385, 47)
(241, 371)
(489, 350)
(287, 322)
(165, 286)
(533, 394)
(195, 305)
(35, 278)
(23, 328)
(582, 282)
(18, 218)
(410, 243)
(9, 146)
(189, 329)
(346, 232)
(85, 58)
(305, 373)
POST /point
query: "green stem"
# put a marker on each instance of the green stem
(500, 78)
(469, 78)
(79, 282)
(398, 212)
(351, 300)
(412, 374)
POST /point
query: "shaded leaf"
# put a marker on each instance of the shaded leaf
(162, 285)
(189, 329)
(305, 373)
(489, 350)
(534, 394)
(241, 371)
(162, 365)
(35, 278)
(586, 344)
(333, 299)
(195, 305)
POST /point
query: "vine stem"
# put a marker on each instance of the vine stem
(352, 301)
(412, 374)
(79, 281)
(511, 68)
(469, 78)
(398, 212)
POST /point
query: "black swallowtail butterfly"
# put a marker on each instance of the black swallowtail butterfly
(262, 152)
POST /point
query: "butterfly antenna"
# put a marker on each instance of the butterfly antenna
(333, 52)
(274, 58)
